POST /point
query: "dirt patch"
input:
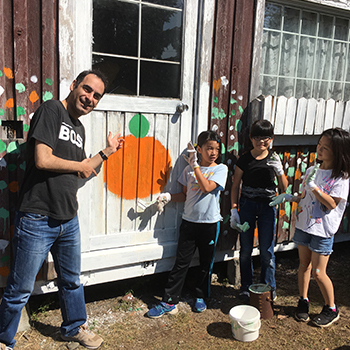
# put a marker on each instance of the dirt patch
(123, 325)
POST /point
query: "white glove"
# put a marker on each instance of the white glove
(192, 156)
(284, 197)
(276, 164)
(310, 180)
(234, 219)
(163, 199)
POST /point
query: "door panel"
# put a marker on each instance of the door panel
(115, 233)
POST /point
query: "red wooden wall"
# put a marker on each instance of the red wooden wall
(232, 58)
(28, 76)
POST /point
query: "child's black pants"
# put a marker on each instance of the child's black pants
(193, 235)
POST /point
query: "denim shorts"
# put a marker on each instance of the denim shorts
(317, 244)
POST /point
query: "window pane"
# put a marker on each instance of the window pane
(269, 86)
(291, 20)
(270, 52)
(273, 16)
(115, 27)
(347, 77)
(347, 92)
(306, 57)
(286, 87)
(341, 29)
(326, 26)
(320, 90)
(303, 89)
(170, 3)
(288, 55)
(323, 59)
(312, 60)
(335, 90)
(309, 23)
(161, 34)
(160, 79)
(338, 63)
(121, 74)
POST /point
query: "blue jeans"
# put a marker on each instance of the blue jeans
(35, 235)
(265, 216)
(317, 244)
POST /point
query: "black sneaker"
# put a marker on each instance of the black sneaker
(244, 296)
(302, 313)
(326, 317)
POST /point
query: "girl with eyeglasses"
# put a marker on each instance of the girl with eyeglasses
(254, 177)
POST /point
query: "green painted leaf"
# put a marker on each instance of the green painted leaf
(20, 111)
(20, 87)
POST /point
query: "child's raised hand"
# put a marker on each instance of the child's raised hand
(284, 197)
(310, 180)
(192, 156)
(276, 164)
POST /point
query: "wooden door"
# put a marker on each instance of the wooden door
(118, 239)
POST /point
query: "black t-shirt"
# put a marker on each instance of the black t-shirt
(45, 192)
(258, 180)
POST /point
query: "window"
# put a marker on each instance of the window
(138, 45)
(305, 53)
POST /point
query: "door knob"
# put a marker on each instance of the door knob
(181, 107)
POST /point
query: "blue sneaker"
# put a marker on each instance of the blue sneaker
(199, 305)
(161, 309)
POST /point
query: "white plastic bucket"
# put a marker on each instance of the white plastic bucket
(245, 322)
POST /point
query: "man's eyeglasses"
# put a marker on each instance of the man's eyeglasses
(262, 138)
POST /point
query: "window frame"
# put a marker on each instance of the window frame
(337, 10)
(138, 58)
(75, 42)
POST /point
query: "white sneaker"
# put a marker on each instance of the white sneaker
(4, 347)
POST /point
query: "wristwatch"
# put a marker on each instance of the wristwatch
(103, 156)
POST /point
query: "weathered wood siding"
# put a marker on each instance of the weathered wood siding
(118, 237)
(28, 76)
(291, 116)
(232, 55)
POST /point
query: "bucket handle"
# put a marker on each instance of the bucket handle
(250, 330)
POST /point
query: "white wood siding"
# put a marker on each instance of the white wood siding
(291, 116)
